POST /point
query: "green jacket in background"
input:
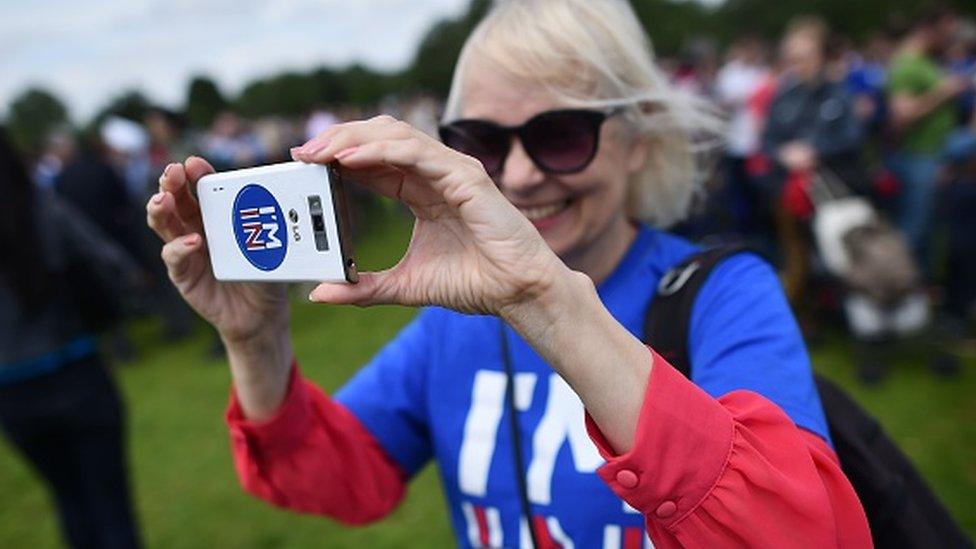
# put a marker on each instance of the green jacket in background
(915, 75)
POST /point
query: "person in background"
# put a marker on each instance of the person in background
(167, 140)
(95, 188)
(811, 126)
(126, 147)
(696, 71)
(59, 148)
(58, 404)
(318, 121)
(960, 59)
(959, 213)
(865, 81)
(737, 82)
(920, 99)
(231, 144)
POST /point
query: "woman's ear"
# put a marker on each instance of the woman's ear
(638, 154)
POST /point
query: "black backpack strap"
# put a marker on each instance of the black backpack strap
(901, 508)
(668, 319)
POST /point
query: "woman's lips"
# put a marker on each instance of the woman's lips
(544, 216)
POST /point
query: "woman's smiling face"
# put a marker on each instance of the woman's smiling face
(582, 216)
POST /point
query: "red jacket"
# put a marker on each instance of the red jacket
(727, 472)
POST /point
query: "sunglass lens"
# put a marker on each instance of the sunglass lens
(481, 140)
(563, 141)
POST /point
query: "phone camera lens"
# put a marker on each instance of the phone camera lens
(293, 216)
(318, 223)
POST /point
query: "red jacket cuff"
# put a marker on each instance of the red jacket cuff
(682, 445)
(286, 429)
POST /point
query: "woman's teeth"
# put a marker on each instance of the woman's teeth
(542, 212)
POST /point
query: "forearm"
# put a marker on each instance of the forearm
(907, 110)
(259, 367)
(701, 469)
(605, 364)
(313, 455)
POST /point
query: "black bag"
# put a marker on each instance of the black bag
(901, 509)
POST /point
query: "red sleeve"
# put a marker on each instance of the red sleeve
(314, 456)
(732, 471)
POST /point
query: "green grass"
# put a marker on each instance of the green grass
(187, 494)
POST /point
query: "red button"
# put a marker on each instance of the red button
(627, 478)
(666, 509)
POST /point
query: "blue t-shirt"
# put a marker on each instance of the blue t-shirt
(437, 391)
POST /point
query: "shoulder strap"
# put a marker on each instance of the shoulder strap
(668, 319)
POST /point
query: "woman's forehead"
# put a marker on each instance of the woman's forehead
(493, 95)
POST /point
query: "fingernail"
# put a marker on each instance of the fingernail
(295, 151)
(158, 198)
(311, 297)
(315, 146)
(191, 239)
(167, 169)
(346, 152)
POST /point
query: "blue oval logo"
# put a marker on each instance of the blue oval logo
(259, 227)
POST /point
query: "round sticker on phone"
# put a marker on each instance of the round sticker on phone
(259, 227)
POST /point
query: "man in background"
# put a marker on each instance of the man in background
(920, 98)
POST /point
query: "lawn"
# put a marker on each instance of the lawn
(187, 495)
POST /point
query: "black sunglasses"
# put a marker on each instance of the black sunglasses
(558, 142)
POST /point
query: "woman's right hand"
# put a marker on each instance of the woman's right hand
(241, 312)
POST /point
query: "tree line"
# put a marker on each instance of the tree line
(672, 24)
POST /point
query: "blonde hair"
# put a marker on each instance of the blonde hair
(595, 54)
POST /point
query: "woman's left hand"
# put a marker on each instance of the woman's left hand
(471, 250)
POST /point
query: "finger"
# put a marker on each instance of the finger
(384, 180)
(324, 148)
(174, 181)
(161, 216)
(178, 254)
(372, 289)
(443, 169)
(196, 168)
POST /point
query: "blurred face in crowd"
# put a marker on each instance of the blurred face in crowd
(945, 33)
(803, 56)
(578, 214)
(935, 36)
(227, 124)
(160, 129)
(878, 49)
(749, 51)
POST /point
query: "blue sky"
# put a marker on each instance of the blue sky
(91, 50)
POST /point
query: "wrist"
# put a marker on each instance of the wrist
(266, 353)
(564, 296)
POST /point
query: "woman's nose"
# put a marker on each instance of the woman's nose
(520, 173)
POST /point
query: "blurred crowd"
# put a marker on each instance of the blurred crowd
(109, 177)
(850, 165)
(853, 167)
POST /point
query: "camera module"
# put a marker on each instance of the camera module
(318, 223)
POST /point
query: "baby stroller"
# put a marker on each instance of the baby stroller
(884, 298)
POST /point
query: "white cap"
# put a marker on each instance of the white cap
(124, 135)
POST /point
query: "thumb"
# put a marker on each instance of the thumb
(376, 288)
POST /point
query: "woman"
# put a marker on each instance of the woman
(58, 405)
(534, 256)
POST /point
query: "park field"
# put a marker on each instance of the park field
(187, 495)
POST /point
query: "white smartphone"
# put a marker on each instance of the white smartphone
(279, 223)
